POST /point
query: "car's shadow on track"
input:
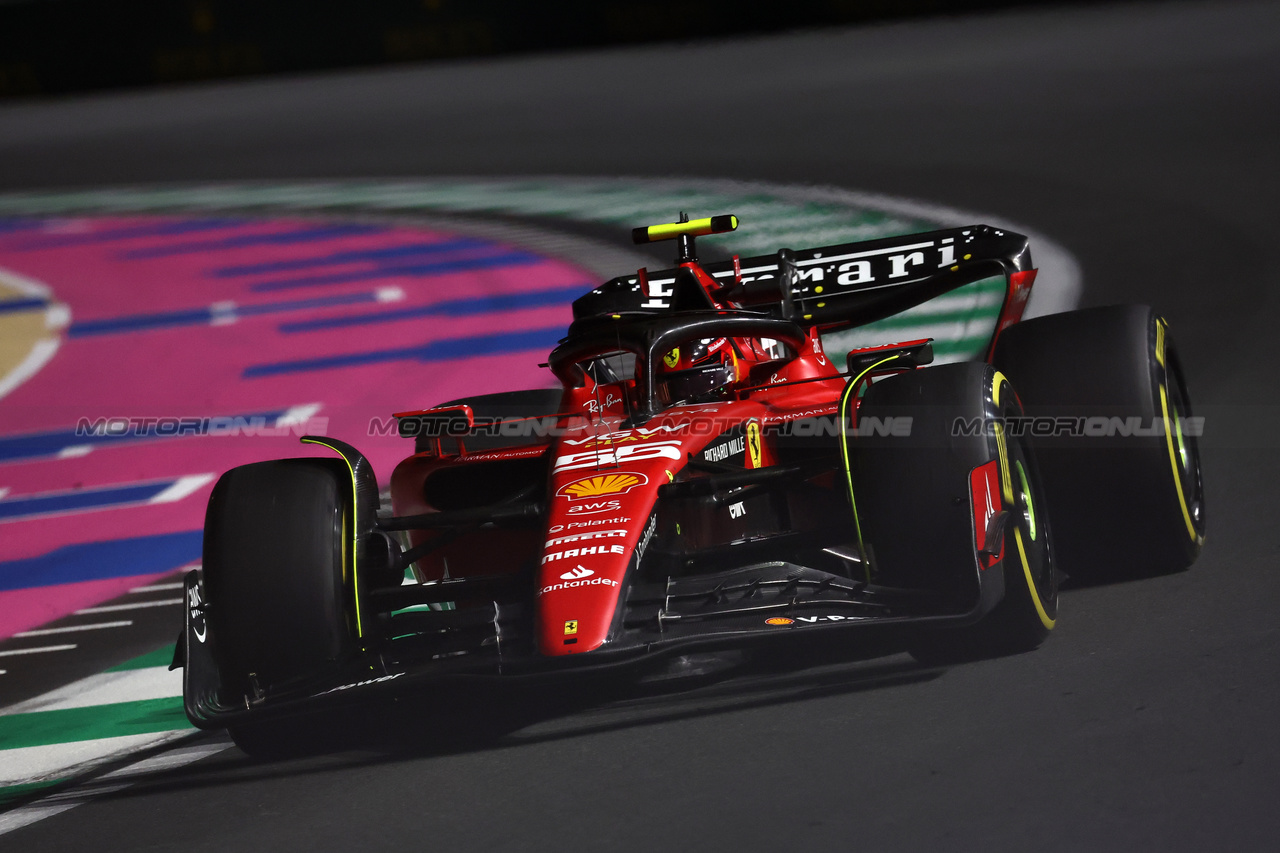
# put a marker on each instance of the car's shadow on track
(499, 716)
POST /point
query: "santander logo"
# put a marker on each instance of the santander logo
(577, 574)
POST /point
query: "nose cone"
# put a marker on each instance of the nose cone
(595, 522)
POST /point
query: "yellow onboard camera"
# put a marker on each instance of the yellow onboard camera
(685, 231)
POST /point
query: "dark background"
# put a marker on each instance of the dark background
(52, 47)
(1142, 137)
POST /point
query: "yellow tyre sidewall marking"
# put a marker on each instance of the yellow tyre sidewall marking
(1006, 486)
(355, 576)
(850, 389)
(1173, 464)
(1045, 620)
(1168, 437)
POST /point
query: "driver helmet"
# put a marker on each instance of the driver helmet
(698, 371)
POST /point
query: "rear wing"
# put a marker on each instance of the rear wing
(850, 284)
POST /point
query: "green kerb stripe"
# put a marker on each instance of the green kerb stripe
(162, 656)
(41, 728)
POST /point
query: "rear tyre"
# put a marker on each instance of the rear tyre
(914, 496)
(1123, 506)
(277, 553)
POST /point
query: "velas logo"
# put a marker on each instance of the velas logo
(601, 485)
(577, 574)
(637, 434)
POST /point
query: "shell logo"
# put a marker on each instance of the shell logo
(779, 620)
(600, 485)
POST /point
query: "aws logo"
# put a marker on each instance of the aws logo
(593, 507)
(601, 485)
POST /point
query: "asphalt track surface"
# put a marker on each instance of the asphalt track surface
(1142, 138)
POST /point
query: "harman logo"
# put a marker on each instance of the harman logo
(601, 484)
(577, 574)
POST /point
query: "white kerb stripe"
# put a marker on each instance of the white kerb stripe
(39, 356)
(74, 451)
(111, 782)
(70, 628)
(159, 587)
(182, 487)
(112, 608)
(297, 415)
(106, 688)
(62, 648)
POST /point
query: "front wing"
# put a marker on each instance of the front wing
(785, 604)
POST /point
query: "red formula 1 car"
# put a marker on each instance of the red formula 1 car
(707, 477)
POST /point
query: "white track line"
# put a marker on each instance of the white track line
(62, 648)
(295, 415)
(158, 587)
(44, 349)
(182, 487)
(106, 688)
(124, 623)
(57, 762)
(109, 783)
(112, 608)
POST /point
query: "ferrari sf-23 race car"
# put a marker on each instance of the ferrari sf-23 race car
(707, 478)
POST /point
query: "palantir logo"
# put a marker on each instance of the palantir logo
(577, 574)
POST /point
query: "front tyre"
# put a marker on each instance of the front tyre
(927, 500)
(278, 557)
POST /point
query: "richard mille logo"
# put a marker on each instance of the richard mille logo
(577, 574)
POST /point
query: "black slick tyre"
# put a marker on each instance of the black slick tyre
(1125, 491)
(914, 495)
(277, 555)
